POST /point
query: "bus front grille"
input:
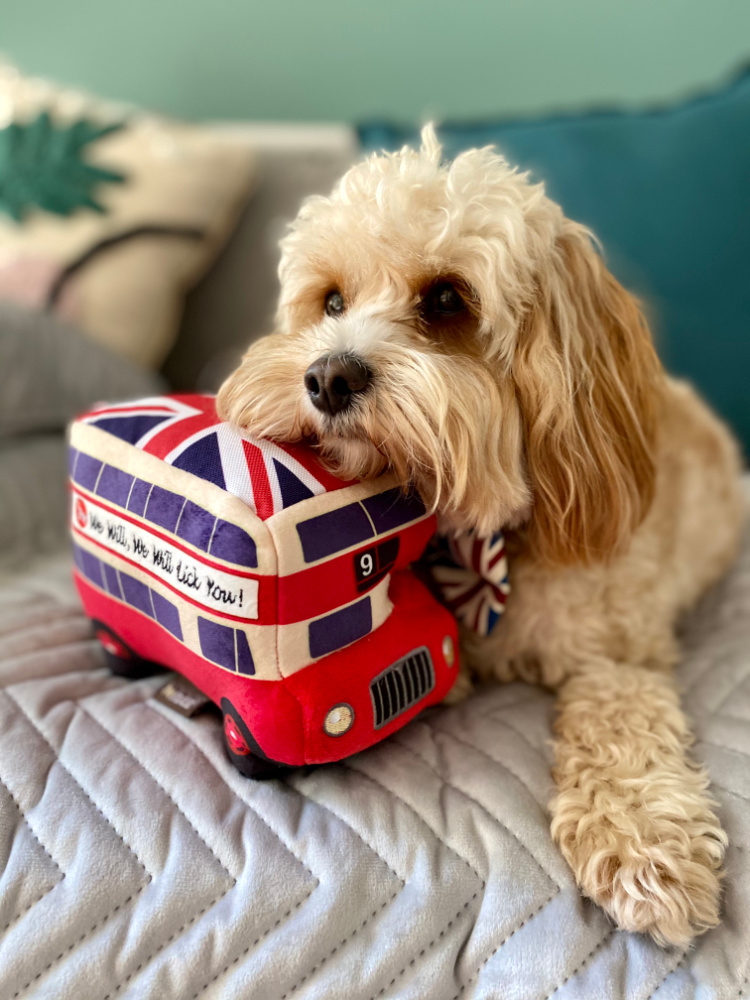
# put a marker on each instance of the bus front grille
(402, 685)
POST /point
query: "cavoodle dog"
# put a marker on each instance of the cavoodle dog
(449, 322)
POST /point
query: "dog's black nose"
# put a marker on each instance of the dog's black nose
(332, 380)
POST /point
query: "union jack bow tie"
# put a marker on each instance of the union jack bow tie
(472, 576)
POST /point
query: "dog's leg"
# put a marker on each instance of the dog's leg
(632, 815)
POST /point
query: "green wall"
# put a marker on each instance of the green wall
(345, 59)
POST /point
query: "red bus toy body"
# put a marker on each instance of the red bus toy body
(282, 593)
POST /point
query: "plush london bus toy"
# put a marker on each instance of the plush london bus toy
(284, 594)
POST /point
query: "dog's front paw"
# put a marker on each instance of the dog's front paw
(461, 690)
(653, 866)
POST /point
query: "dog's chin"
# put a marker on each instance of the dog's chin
(350, 456)
(348, 452)
(464, 486)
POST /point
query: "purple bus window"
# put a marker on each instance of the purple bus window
(196, 525)
(113, 582)
(167, 614)
(78, 557)
(139, 497)
(87, 471)
(114, 485)
(164, 508)
(92, 568)
(393, 508)
(341, 628)
(217, 642)
(325, 534)
(245, 664)
(233, 544)
(136, 594)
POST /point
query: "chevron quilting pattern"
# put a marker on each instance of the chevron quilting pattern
(135, 862)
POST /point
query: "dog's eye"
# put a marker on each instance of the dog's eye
(335, 304)
(443, 300)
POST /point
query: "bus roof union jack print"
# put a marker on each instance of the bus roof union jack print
(185, 432)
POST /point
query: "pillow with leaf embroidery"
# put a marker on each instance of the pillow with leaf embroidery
(108, 216)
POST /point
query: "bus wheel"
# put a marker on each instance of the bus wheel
(243, 750)
(120, 658)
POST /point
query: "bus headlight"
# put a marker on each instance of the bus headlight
(449, 652)
(339, 720)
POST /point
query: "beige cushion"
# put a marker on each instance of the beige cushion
(186, 182)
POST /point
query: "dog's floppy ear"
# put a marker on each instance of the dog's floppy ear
(588, 383)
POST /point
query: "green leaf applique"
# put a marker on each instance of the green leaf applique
(41, 166)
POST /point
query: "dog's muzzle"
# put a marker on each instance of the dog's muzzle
(333, 380)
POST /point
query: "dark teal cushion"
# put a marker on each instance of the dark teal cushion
(668, 193)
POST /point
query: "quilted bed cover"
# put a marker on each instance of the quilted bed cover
(136, 862)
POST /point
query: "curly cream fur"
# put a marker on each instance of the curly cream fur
(545, 411)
